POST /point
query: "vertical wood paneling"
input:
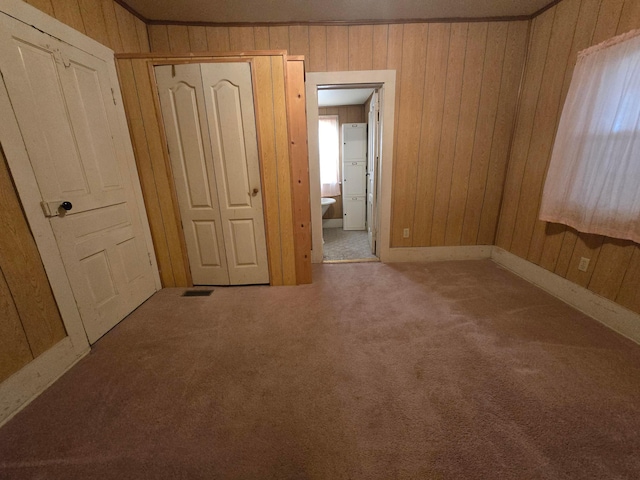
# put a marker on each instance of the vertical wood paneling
(628, 294)
(613, 270)
(218, 39)
(361, 47)
(198, 39)
(466, 128)
(337, 49)
(511, 74)
(24, 274)
(609, 272)
(93, 19)
(299, 41)
(159, 38)
(539, 45)
(145, 172)
(317, 49)
(68, 11)
(128, 30)
(554, 241)
(143, 36)
(432, 113)
(162, 174)
(178, 38)
(109, 13)
(42, 5)
(544, 124)
(380, 37)
(630, 17)
(261, 37)
(279, 38)
(449, 132)
(406, 161)
(14, 348)
(608, 19)
(241, 39)
(485, 126)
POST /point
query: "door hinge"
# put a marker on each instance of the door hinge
(150, 262)
(113, 95)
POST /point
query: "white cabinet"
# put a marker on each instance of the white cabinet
(354, 175)
(354, 213)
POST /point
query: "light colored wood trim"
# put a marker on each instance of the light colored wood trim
(285, 201)
(265, 128)
(439, 254)
(611, 314)
(25, 385)
(298, 152)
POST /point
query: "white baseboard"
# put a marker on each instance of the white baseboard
(25, 385)
(611, 314)
(332, 223)
(437, 254)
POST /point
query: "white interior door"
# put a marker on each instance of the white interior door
(209, 118)
(185, 123)
(64, 101)
(372, 161)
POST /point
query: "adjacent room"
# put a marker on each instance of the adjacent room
(319, 239)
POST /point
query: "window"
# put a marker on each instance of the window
(593, 182)
(329, 140)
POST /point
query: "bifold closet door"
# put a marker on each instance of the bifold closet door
(209, 118)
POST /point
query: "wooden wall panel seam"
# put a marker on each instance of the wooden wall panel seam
(493, 129)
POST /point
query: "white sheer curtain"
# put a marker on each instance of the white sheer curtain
(593, 182)
(329, 139)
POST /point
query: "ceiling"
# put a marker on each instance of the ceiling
(345, 96)
(352, 11)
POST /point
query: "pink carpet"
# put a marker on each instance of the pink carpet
(453, 370)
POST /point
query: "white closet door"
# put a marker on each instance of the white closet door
(228, 93)
(64, 104)
(185, 123)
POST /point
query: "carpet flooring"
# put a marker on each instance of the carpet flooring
(342, 244)
(449, 370)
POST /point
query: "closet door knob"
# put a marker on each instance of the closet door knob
(66, 206)
(255, 192)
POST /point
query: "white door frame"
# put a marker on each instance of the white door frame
(23, 386)
(387, 80)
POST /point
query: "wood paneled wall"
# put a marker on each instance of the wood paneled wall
(30, 323)
(154, 168)
(103, 20)
(346, 114)
(556, 38)
(457, 91)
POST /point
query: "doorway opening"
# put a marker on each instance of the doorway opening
(350, 181)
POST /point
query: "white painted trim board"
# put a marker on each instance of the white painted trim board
(615, 316)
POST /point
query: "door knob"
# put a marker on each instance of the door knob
(255, 192)
(66, 206)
